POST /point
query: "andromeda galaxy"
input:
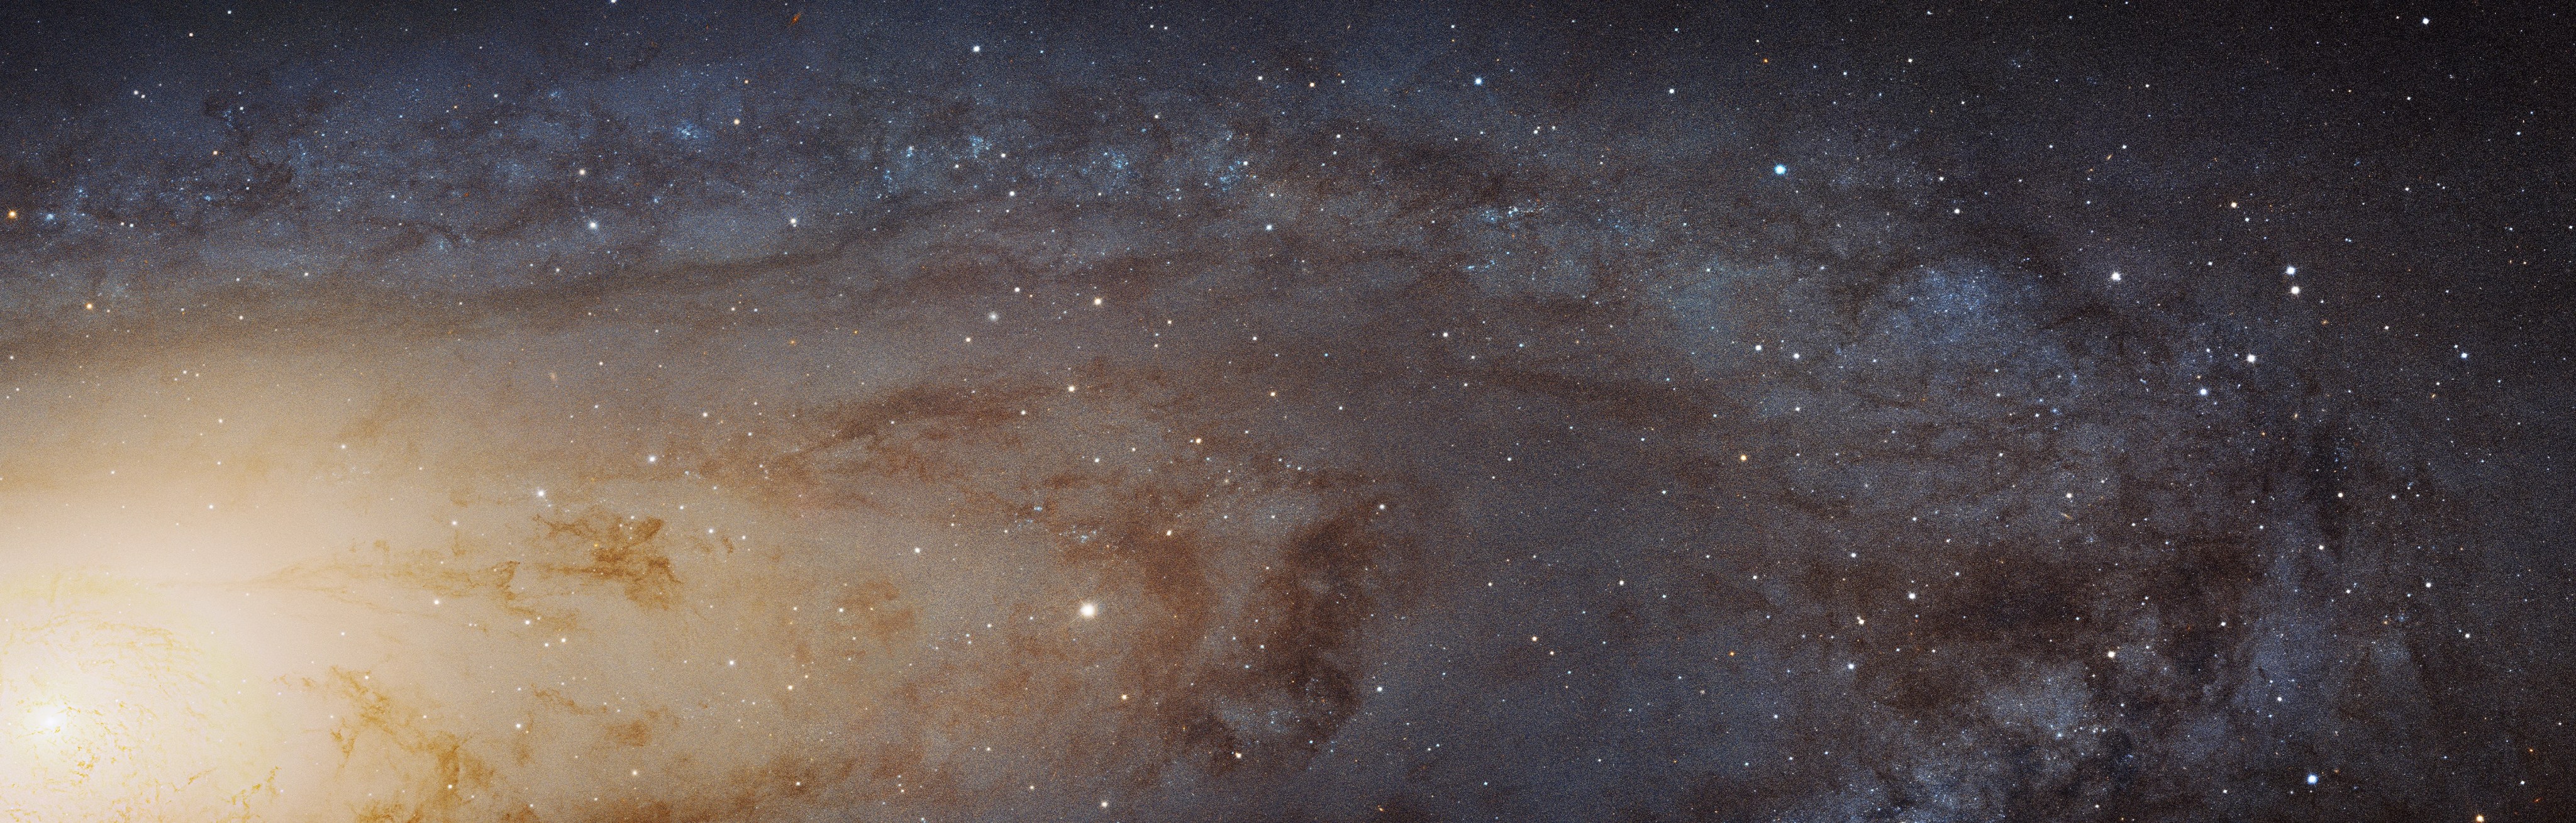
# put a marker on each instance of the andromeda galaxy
(706, 411)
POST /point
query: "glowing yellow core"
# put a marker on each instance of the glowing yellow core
(128, 711)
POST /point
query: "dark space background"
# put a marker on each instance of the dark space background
(689, 410)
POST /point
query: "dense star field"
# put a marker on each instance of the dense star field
(683, 410)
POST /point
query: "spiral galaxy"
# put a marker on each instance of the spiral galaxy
(709, 411)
